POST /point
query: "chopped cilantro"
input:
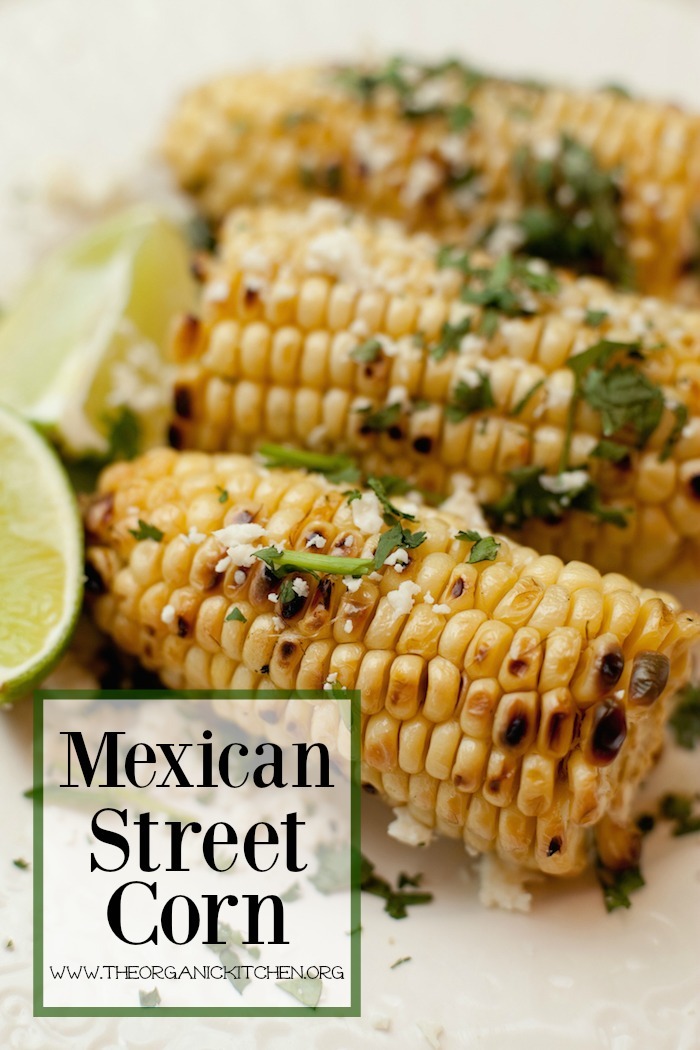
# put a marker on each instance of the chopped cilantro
(611, 450)
(528, 498)
(679, 810)
(229, 957)
(396, 536)
(391, 513)
(237, 616)
(485, 548)
(333, 874)
(595, 318)
(201, 234)
(287, 593)
(685, 720)
(146, 532)
(409, 880)
(401, 961)
(618, 885)
(468, 398)
(9, 945)
(681, 414)
(525, 399)
(450, 337)
(223, 494)
(306, 990)
(627, 401)
(21, 863)
(149, 999)
(572, 213)
(396, 901)
(337, 468)
(380, 419)
(292, 894)
(460, 116)
(123, 434)
(368, 351)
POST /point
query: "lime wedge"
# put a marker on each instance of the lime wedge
(85, 338)
(41, 564)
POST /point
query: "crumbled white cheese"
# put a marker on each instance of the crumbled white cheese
(239, 577)
(330, 681)
(216, 292)
(237, 539)
(282, 292)
(375, 577)
(353, 583)
(273, 597)
(254, 258)
(337, 253)
(348, 626)
(300, 587)
(399, 556)
(471, 378)
(168, 614)
(453, 149)
(373, 154)
(463, 504)
(402, 599)
(360, 328)
(405, 828)
(432, 1032)
(381, 1022)
(502, 885)
(193, 537)
(546, 149)
(367, 513)
(278, 623)
(443, 609)
(423, 177)
(316, 540)
(505, 238)
(348, 541)
(398, 395)
(567, 481)
(428, 598)
(471, 344)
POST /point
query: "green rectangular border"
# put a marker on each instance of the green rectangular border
(39, 1010)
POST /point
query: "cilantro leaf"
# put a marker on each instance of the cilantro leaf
(450, 337)
(618, 885)
(123, 434)
(367, 352)
(595, 318)
(395, 901)
(468, 398)
(685, 720)
(333, 874)
(223, 494)
(146, 532)
(379, 419)
(21, 863)
(390, 511)
(529, 498)
(236, 615)
(306, 990)
(679, 810)
(525, 399)
(396, 536)
(681, 414)
(611, 450)
(626, 401)
(485, 548)
(283, 562)
(149, 999)
(337, 468)
(401, 961)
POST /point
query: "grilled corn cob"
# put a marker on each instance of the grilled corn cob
(597, 182)
(507, 698)
(338, 334)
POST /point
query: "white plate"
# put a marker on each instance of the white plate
(86, 85)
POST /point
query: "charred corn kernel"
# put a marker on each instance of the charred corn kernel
(488, 723)
(442, 146)
(418, 383)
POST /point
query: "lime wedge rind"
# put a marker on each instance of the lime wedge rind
(41, 558)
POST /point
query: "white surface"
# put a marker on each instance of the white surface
(86, 85)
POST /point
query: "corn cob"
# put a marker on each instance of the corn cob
(507, 698)
(597, 182)
(328, 331)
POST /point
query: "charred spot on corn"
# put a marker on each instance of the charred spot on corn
(182, 401)
(650, 674)
(608, 732)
